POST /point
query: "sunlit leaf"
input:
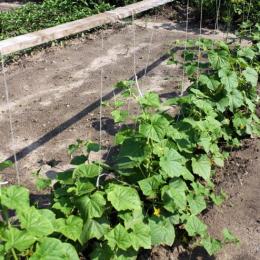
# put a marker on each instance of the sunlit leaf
(91, 206)
(35, 223)
(15, 238)
(15, 197)
(195, 226)
(93, 229)
(162, 231)
(202, 166)
(70, 227)
(122, 197)
(228, 79)
(5, 164)
(251, 76)
(156, 129)
(211, 245)
(119, 237)
(52, 248)
(141, 236)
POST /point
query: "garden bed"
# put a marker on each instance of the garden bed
(57, 91)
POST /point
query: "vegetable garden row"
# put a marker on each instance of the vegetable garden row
(161, 179)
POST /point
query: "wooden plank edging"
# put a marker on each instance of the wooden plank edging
(29, 40)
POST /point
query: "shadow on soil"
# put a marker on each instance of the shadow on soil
(163, 253)
(197, 253)
(65, 125)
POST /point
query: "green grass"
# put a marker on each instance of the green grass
(32, 17)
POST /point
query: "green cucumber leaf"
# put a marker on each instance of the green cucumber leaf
(251, 76)
(43, 183)
(172, 164)
(202, 167)
(246, 52)
(5, 164)
(103, 251)
(15, 238)
(92, 147)
(123, 198)
(211, 83)
(52, 248)
(87, 170)
(150, 186)
(36, 222)
(78, 160)
(70, 227)
(82, 188)
(162, 231)
(218, 199)
(199, 189)
(236, 99)
(197, 204)
(141, 236)
(119, 237)
(156, 129)
(195, 226)
(150, 99)
(211, 245)
(229, 237)
(15, 197)
(174, 196)
(219, 59)
(130, 218)
(228, 79)
(119, 116)
(91, 206)
(93, 229)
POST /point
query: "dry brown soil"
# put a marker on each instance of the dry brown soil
(6, 5)
(54, 99)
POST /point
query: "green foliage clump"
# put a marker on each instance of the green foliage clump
(231, 12)
(35, 16)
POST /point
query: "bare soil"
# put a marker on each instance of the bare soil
(6, 5)
(54, 100)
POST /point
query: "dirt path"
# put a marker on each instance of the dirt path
(55, 96)
(7, 5)
(241, 211)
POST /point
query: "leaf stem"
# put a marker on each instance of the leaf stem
(14, 254)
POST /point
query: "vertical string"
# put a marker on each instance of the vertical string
(217, 16)
(185, 45)
(243, 12)
(134, 43)
(228, 23)
(247, 17)
(200, 33)
(101, 106)
(249, 9)
(100, 111)
(216, 27)
(150, 48)
(10, 122)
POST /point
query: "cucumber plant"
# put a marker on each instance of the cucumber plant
(160, 181)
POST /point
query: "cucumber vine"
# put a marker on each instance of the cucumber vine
(160, 181)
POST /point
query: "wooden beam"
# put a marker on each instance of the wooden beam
(29, 40)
